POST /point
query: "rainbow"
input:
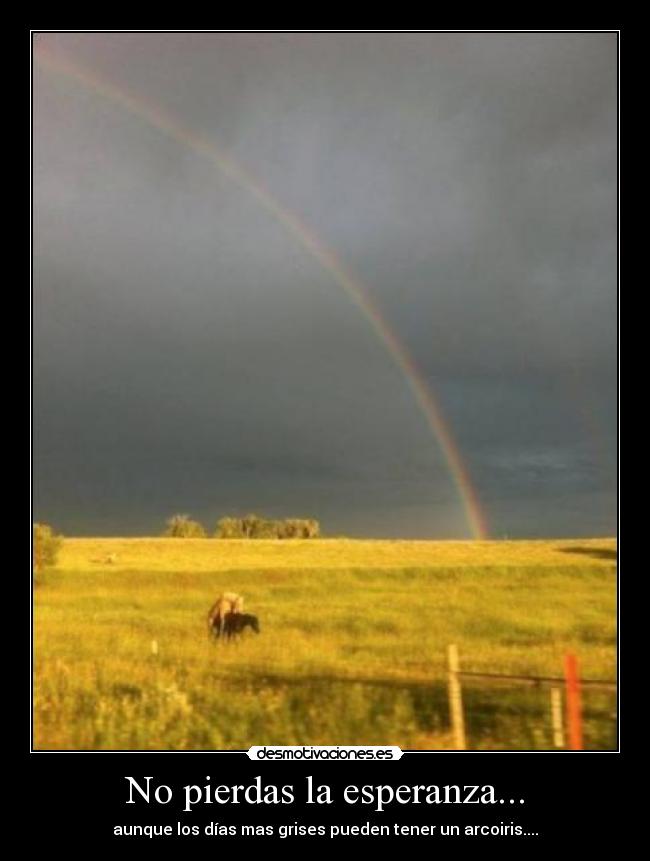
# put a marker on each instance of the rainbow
(158, 119)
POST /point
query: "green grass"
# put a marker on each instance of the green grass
(352, 649)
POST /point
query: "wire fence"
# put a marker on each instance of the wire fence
(565, 703)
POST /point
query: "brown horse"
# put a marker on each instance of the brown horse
(226, 605)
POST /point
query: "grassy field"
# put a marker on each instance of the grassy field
(352, 648)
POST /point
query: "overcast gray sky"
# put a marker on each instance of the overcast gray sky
(190, 355)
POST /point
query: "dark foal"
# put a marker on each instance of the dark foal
(236, 624)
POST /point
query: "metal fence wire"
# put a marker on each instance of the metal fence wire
(565, 703)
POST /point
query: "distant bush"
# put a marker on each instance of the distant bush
(46, 546)
(181, 526)
(253, 526)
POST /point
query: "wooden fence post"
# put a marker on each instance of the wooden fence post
(573, 708)
(556, 717)
(456, 699)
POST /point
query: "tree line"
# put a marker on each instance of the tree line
(46, 543)
(249, 526)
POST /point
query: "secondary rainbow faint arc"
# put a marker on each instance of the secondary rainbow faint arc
(156, 117)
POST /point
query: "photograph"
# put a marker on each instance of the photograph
(324, 390)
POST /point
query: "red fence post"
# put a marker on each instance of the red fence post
(573, 707)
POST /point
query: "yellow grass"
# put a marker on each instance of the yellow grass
(199, 554)
(352, 648)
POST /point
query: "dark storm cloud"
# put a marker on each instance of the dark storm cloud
(190, 355)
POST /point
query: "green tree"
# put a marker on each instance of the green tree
(253, 526)
(181, 526)
(250, 524)
(229, 527)
(46, 546)
(299, 528)
(312, 528)
(266, 528)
